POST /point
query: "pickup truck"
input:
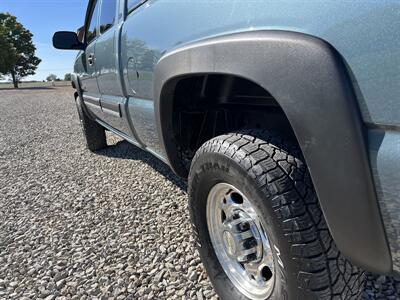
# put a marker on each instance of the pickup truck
(284, 117)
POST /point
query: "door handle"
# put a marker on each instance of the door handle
(91, 59)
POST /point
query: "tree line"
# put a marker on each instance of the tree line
(53, 77)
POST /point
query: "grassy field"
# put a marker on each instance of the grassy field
(22, 85)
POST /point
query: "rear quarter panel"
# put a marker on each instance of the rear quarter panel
(364, 32)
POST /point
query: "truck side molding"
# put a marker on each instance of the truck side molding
(311, 83)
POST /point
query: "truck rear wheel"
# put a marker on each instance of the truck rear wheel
(259, 227)
(93, 132)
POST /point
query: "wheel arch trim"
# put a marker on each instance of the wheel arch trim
(310, 81)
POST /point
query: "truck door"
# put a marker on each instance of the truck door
(138, 58)
(90, 89)
(112, 100)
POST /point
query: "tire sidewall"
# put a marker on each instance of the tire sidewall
(209, 169)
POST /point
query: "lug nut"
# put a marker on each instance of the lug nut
(250, 243)
(251, 257)
(244, 226)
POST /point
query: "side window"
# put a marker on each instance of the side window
(107, 15)
(91, 32)
(133, 3)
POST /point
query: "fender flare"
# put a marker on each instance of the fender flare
(76, 84)
(309, 80)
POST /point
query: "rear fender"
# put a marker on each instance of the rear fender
(309, 79)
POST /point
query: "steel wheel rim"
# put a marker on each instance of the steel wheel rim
(240, 241)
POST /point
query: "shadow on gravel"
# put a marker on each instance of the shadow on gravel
(125, 150)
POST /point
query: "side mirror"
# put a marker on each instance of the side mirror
(67, 40)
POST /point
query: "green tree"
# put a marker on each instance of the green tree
(7, 53)
(67, 77)
(16, 45)
(51, 77)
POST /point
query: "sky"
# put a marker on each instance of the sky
(43, 18)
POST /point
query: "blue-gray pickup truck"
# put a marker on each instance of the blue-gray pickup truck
(284, 118)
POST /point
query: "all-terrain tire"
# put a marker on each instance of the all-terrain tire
(272, 172)
(93, 132)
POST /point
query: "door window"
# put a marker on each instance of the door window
(107, 17)
(91, 32)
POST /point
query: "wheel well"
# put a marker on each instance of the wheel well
(205, 106)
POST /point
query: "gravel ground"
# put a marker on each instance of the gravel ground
(78, 225)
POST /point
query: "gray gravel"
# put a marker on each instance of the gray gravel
(78, 225)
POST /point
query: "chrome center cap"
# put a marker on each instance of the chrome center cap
(229, 243)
